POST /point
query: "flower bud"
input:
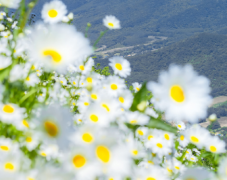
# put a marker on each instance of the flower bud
(88, 24)
(70, 16)
(212, 117)
(31, 4)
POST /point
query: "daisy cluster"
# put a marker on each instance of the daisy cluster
(61, 120)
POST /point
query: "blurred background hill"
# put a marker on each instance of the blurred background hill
(157, 33)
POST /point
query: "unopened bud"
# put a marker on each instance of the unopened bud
(142, 106)
(31, 4)
(70, 16)
(212, 117)
(88, 24)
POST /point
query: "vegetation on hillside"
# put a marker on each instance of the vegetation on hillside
(206, 52)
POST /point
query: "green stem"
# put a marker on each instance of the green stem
(183, 155)
(100, 36)
(27, 95)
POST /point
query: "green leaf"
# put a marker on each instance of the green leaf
(161, 124)
(140, 99)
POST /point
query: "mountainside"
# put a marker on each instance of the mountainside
(206, 52)
(176, 19)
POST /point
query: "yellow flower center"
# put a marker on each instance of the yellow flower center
(113, 86)
(106, 107)
(194, 139)
(103, 153)
(111, 24)
(150, 162)
(29, 139)
(43, 154)
(133, 122)
(213, 149)
(159, 145)
(86, 103)
(28, 79)
(121, 99)
(79, 161)
(4, 148)
(181, 137)
(94, 118)
(150, 137)
(56, 57)
(169, 170)
(8, 109)
(25, 123)
(74, 83)
(118, 66)
(166, 136)
(33, 67)
(81, 67)
(89, 80)
(140, 132)
(94, 96)
(135, 152)
(9, 166)
(177, 93)
(177, 167)
(87, 137)
(52, 13)
(51, 128)
(137, 88)
(150, 178)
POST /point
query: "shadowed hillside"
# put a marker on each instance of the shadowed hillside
(176, 19)
(206, 52)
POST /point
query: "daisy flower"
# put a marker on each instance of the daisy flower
(141, 132)
(197, 135)
(114, 85)
(179, 90)
(10, 113)
(120, 66)
(215, 145)
(54, 11)
(125, 98)
(181, 125)
(136, 86)
(53, 124)
(111, 22)
(49, 45)
(85, 69)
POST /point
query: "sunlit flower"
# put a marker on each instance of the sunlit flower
(181, 94)
(120, 66)
(49, 46)
(111, 22)
(136, 86)
(53, 11)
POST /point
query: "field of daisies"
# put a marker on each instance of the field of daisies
(62, 119)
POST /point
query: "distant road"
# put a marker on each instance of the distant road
(153, 39)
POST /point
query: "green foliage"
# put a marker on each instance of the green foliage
(214, 125)
(103, 71)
